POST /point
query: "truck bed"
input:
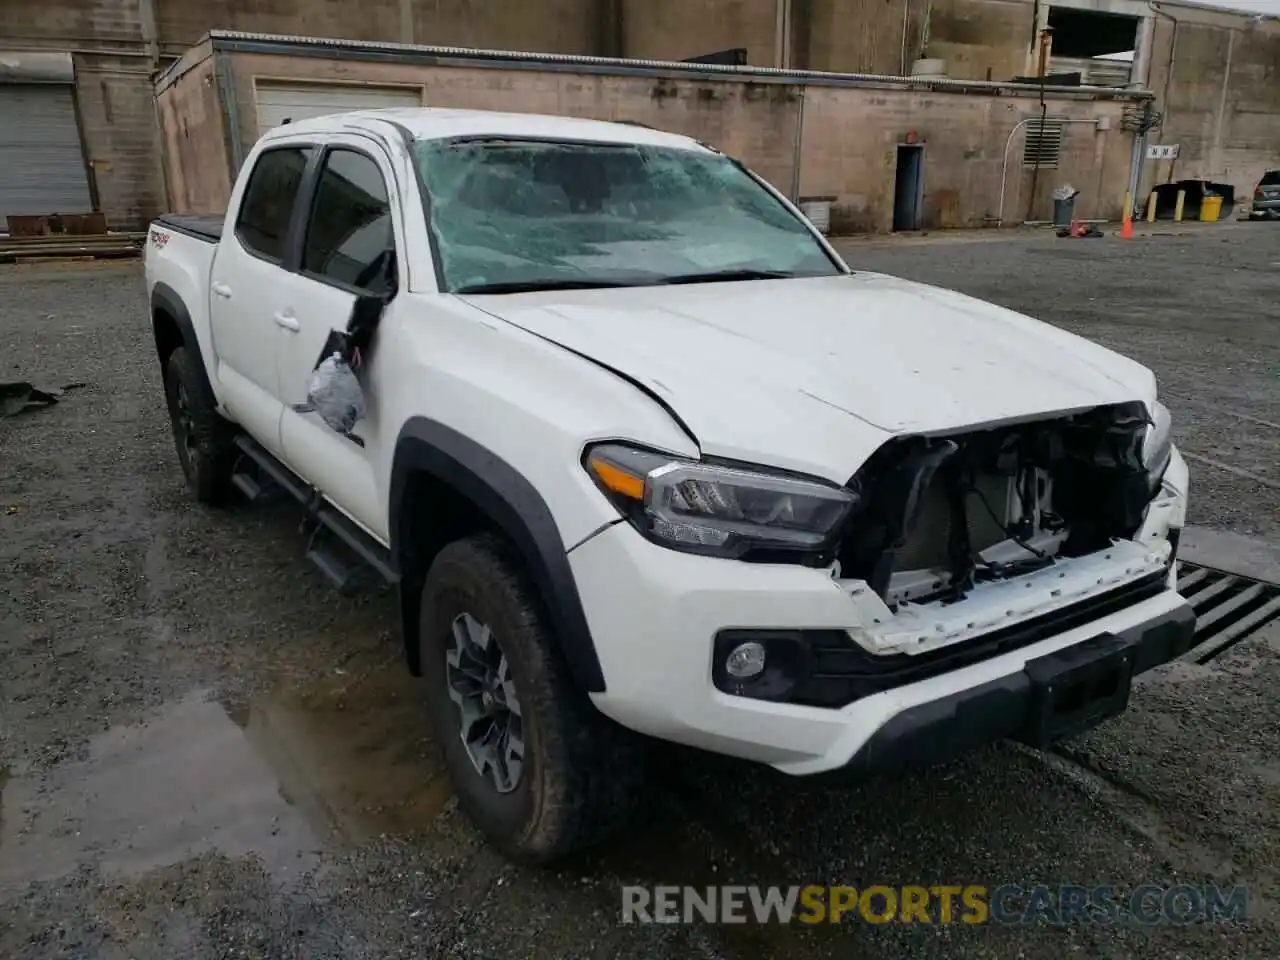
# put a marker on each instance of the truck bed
(207, 227)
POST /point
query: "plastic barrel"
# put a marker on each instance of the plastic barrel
(1210, 209)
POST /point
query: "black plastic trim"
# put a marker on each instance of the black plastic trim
(205, 228)
(289, 261)
(511, 502)
(937, 731)
(839, 672)
(424, 198)
(164, 299)
(309, 194)
(362, 544)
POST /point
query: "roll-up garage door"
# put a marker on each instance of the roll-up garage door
(42, 169)
(278, 102)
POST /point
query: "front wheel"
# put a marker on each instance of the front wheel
(536, 767)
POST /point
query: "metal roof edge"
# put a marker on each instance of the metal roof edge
(194, 55)
(237, 41)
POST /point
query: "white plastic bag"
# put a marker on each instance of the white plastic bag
(334, 392)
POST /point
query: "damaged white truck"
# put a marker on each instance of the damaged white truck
(643, 455)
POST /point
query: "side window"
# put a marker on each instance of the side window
(263, 221)
(350, 237)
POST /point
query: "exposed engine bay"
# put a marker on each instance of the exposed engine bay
(942, 515)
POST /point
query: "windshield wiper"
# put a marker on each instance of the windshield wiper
(724, 275)
(530, 286)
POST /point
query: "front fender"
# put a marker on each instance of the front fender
(516, 508)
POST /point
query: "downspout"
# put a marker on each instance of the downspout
(798, 154)
(782, 19)
(1140, 72)
(1044, 114)
(1168, 71)
(906, 12)
(1222, 108)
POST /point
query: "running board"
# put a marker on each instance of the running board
(343, 553)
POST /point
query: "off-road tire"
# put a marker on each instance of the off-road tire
(582, 772)
(203, 438)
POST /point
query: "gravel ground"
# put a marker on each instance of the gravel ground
(206, 753)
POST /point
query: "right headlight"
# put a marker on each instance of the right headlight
(725, 511)
(1157, 443)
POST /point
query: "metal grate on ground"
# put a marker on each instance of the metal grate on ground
(1229, 608)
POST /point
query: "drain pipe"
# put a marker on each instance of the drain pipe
(798, 150)
(1004, 170)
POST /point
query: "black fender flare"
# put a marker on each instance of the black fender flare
(164, 299)
(516, 508)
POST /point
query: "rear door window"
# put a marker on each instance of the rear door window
(1270, 179)
(267, 206)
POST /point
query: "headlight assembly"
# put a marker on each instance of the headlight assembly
(1157, 443)
(724, 511)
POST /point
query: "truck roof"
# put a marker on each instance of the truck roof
(436, 123)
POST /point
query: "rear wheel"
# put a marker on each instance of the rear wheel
(201, 435)
(536, 767)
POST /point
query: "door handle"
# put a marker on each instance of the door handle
(288, 321)
(220, 289)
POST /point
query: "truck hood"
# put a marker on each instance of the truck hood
(815, 374)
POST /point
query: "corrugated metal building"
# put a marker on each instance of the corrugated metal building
(42, 162)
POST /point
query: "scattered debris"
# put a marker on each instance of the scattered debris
(1079, 228)
(19, 396)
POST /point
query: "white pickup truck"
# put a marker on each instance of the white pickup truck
(645, 456)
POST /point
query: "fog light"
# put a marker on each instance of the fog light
(745, 661)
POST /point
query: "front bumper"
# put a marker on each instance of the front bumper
(654, 614)
(1003, 708)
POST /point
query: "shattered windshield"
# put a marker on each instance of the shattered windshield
(512, 215)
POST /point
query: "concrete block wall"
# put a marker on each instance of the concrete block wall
(116, 103)
(848, 136)
(1218, 86)
(678, 29)
(113, 93)
(964, 139)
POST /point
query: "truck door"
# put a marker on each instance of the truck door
(349, 232)
(247, 301)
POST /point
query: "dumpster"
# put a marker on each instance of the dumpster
(1210, 208)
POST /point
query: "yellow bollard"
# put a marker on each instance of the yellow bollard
(1126, 225)
(1151, 207)
(1177, 211)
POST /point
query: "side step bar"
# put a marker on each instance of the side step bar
(344, 554)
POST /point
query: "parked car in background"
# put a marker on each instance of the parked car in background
(1266, 197)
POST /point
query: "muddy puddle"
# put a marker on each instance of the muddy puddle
(281, 778)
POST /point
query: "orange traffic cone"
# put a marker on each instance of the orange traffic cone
(1126, 228)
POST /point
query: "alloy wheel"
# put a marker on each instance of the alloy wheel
(481, 688)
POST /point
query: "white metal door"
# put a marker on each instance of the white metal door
(352, 224)
(42, 168)
(278, 102)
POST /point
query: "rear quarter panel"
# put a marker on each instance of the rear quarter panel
(177, 275)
